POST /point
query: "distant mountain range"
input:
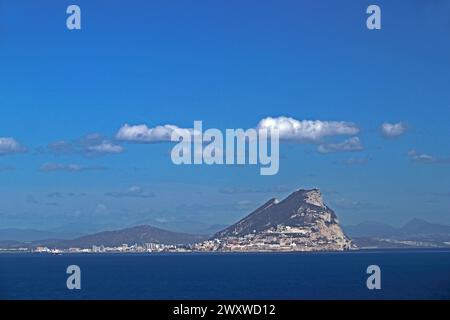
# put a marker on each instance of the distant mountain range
(302, 219)
(135, 235)
(415, 233)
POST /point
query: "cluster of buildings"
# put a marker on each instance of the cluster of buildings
(125, 248)
(281, 239)
(317, 237)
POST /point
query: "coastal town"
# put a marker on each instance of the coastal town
(285, 239)
(299, 223)
(95, 249)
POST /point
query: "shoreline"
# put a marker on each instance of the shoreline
(359, 250)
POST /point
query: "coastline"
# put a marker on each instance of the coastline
(357, 250)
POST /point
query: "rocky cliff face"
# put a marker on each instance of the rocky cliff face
(301, 222)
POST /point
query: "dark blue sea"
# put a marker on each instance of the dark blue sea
(416, 274)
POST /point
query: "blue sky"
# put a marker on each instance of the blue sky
(230, 64)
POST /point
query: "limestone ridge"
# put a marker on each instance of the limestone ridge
(301, 222)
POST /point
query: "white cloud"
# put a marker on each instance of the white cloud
(308, 130)
(144, 134)
(393, 130)
(349, 145)
(90, 145)
(105, 147)
(10, 146)
(424, 158)
(312, 131)
(132, 192)
(420, 157)
(101, 209)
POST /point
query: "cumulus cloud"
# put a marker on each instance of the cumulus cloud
(104, 148)
(144, 134)
(90, 145)
(424, 158)
(10, 146)
(133, 192)
(304, 131)
(308, 130)
(54, 167)
(393, 130)
(349, 145)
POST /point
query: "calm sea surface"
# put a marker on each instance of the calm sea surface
(416, 274)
